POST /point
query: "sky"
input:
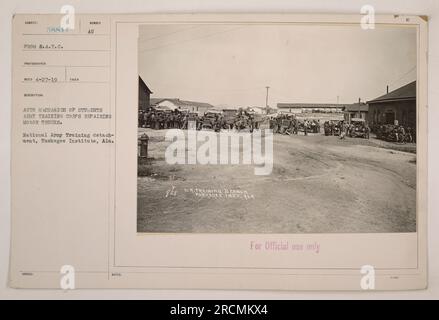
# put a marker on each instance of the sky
(231, 65)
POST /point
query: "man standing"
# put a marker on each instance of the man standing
(343, 130)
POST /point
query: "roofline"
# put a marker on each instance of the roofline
(140, 78)
(390, 100)
(208, 105)
(311, 105)
(384, 99)
(356, 110)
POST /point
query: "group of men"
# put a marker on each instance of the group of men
(289, 124)
(396, 133)
(158, 119)
(342, 129)
(331, 128)
(404, 135)
(162, 120)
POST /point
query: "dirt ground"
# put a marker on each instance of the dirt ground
(318, 185)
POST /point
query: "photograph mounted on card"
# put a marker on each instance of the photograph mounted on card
(227, 151)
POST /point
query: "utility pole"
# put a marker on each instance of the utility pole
(266, 98)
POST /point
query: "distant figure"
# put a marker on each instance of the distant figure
(343, 130)
(401, 132)
(409, 134)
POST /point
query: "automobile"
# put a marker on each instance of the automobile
(284, 125)
(229, 116)
(358, 129)
(209, 120)
(301, 126)
(386, 132)
(394, 133)
(335, 127)
(242, 122)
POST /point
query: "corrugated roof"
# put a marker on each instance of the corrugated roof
(407, 92)
(187, 103)
(155, 101)
(309, 105)
(357, 107)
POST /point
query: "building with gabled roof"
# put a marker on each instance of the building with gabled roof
(184, 105)
(395, 107)
(358, 110)
(144, 95)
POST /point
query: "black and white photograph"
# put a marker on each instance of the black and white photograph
(236, 152)
(276, 128)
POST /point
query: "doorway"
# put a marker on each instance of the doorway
(390, 117)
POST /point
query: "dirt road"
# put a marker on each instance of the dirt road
(318, 185)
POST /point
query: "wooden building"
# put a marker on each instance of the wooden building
(184, 105)
(357, 110)
(395, 107)
(144, 95)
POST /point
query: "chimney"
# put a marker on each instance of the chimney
(387, 88)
